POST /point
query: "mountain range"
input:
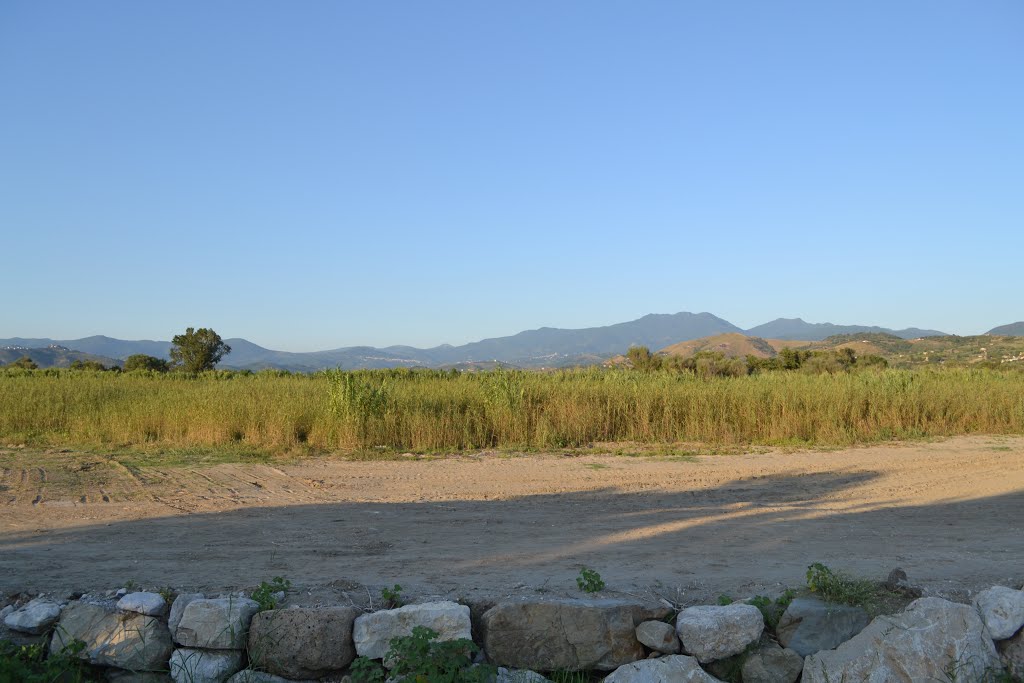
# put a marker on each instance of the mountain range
(544, 347)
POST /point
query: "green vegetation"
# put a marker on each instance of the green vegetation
(724, 600)
(772, 610)
(24, 363)
(834, 586)
(198, 350)
(387, 411)
(141, 361)
(589, 581)
(392, 597)
(421, 657)
(30, 664)
(266, 594)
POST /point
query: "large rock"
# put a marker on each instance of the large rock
(1002, 610)
(190, 665)
(150, 604)
(809, 625)
(217, 624)
(565, 634)
(122, 676)
(250, 676)
(373, 632)
(710, 632)
(120, 639)
(770, 663)
(1011, 651)
(671, 669)
(658, 636)
(34, 618)
(925, 643)
(518, 676)
(302, 643)
(178, 609)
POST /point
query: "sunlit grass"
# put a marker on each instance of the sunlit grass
(378, 414)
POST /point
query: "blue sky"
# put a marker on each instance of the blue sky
(321, 174)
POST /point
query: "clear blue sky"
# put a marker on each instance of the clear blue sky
(319, 174)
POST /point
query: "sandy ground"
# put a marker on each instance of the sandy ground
(951, 513)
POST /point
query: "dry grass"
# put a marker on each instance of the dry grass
(431, 411)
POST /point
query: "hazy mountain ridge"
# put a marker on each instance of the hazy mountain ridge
(1011, 330)
(543, 347)
(51, 355)
(798, 329)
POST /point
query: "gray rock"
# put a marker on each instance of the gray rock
(34, 618)
(658, 636)
(770, 663)
(925, 643)
(190, 665)
(122, 676)
(150, 604)
(1011, 651)
(670, 669)
(1002, 610)
(250, 676)
(178, 608)
(809, 625)
(518, 676)
(218, 624)
(124, 640)
(710, 632)
(372, 633)
(565, 634)
(302, 643)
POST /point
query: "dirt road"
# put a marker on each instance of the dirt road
(950, 513)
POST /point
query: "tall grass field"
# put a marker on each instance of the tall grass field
(435, 410)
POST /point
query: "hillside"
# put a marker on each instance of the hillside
(1011, 330)
(546, 347)
(52, 356)
(797, 329)
(732, 344)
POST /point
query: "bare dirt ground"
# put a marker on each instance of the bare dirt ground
(482, 527)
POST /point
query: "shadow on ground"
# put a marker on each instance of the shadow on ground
(739, 538)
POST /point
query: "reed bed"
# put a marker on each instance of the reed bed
(425, 411)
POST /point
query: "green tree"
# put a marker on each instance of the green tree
(88, 365)
(642, 358)
(198, 350)
(24, 362)
(141, 361)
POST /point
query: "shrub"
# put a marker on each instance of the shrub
(420, 657)
(589, 581)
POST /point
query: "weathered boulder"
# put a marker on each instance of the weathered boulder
(150, 604)
(250, 676)
(518, 676)
(710, 632)
(372, 633)
(302, 643)
(217, 624)
(565, 634)
(1011, 651)
(125, 640)
(770, 663)
(122, 676)
(189, 665)
(809, 625)
(924, 643)
(658, 636)
(1002, 610)
(178, 608)
(34, 618)
(670, 669)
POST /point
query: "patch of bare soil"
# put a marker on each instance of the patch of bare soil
(484, 527)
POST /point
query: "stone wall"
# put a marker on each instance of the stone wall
(140, 637)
